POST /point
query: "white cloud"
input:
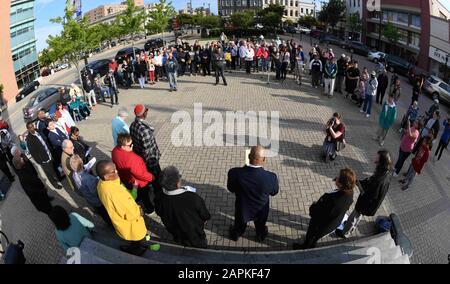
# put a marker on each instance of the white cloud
(42, 34)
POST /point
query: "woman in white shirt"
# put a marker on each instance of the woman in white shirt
(157, 60)
(286, 58)
(249, 55)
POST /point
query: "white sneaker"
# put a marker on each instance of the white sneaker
(361, 111)
(381, 143)
(367, 115)
(394, 174)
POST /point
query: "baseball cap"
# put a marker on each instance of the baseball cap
(139, 110)
(373, 73)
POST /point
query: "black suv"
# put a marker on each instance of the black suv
(290, 30)
(126, 53)
(358, 48)
(153, 43)
(397, 64)
(26, 90)
(98, 67)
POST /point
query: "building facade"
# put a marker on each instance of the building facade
(293, 10)
(98, 14)
(23, 42)
(7, 77)
(412, 20)
(353, 9)
(439, 53)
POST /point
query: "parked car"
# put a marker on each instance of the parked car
(27, 89)
(397, 64)
(316, 33)
(374, 55)
(437, 88)
(113, 43)
(97, 67)
(153, 43)
(126, 53)
(289, 30)
(45, 72)
(331, 39)
(416, 71)
(304, 30)
(357, 47)
(42, 99)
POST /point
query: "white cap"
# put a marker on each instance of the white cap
(13, 149)
(343, 55)
(436, 101)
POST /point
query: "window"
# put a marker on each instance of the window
(403, 36)
(354, 3)
(402, 18)
(444, 86)
(285, 12)
(296, 3)
(291, 13)
(415, 21)
(266, 2)
(307, 11)
(301, 10)
(359, 3)
(296, 13)
(414, 39)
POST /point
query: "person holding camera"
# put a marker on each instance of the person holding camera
(373, 191)
(335, 134)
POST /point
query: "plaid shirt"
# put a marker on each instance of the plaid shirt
(144, 143)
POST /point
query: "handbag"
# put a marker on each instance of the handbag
(340, 145)
(13, 253)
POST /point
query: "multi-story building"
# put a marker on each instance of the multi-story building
(412, 20)
(7, 77)
(353, 8)
(17, 46)
(439, 53)
(96, 15)
(294, 9)
(23, 42)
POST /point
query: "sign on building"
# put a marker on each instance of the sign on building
(439, 55)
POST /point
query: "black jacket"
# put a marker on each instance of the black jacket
(184, 216)
(383, 81)
(33, 186)
(141, 68)
(252, 187)
(374, 190)
(327, 213)
(37, 149)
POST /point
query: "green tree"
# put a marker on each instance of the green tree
(208, 22)
(308, 21)
(242, 20)
(46, 58)
(332, 12)
(185, 19)
(355, 23)
(271, 16)
(131, 21)
(289, 22)
(72, 44)
(390, 32)
(158, 18)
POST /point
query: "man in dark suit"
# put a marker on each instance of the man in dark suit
(327, 213)
(252, 185)
(40, 151)
(42, 124)
(56, 138)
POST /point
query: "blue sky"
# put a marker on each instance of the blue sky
(47, 9)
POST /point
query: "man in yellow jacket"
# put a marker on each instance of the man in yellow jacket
(125, 214)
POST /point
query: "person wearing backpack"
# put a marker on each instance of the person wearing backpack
(373, 192)
(330, 74)
(316, 71)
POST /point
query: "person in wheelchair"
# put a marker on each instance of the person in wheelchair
(101, 91)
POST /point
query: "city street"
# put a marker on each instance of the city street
(424, 210)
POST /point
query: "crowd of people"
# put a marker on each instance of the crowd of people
(132, 185)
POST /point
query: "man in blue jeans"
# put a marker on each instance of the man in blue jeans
(371, 91)
(171, 70)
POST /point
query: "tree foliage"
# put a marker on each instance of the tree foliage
(332, 12)
(391, 33)
(271, 16)
(158, 19)
(185, 19)
(208, 21)
(308, 21)
(355, 22)
(243, 20)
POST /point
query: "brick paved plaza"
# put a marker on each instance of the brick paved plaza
(303, 177)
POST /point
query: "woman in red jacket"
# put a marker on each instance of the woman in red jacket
(417, 163)
(132, 170)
